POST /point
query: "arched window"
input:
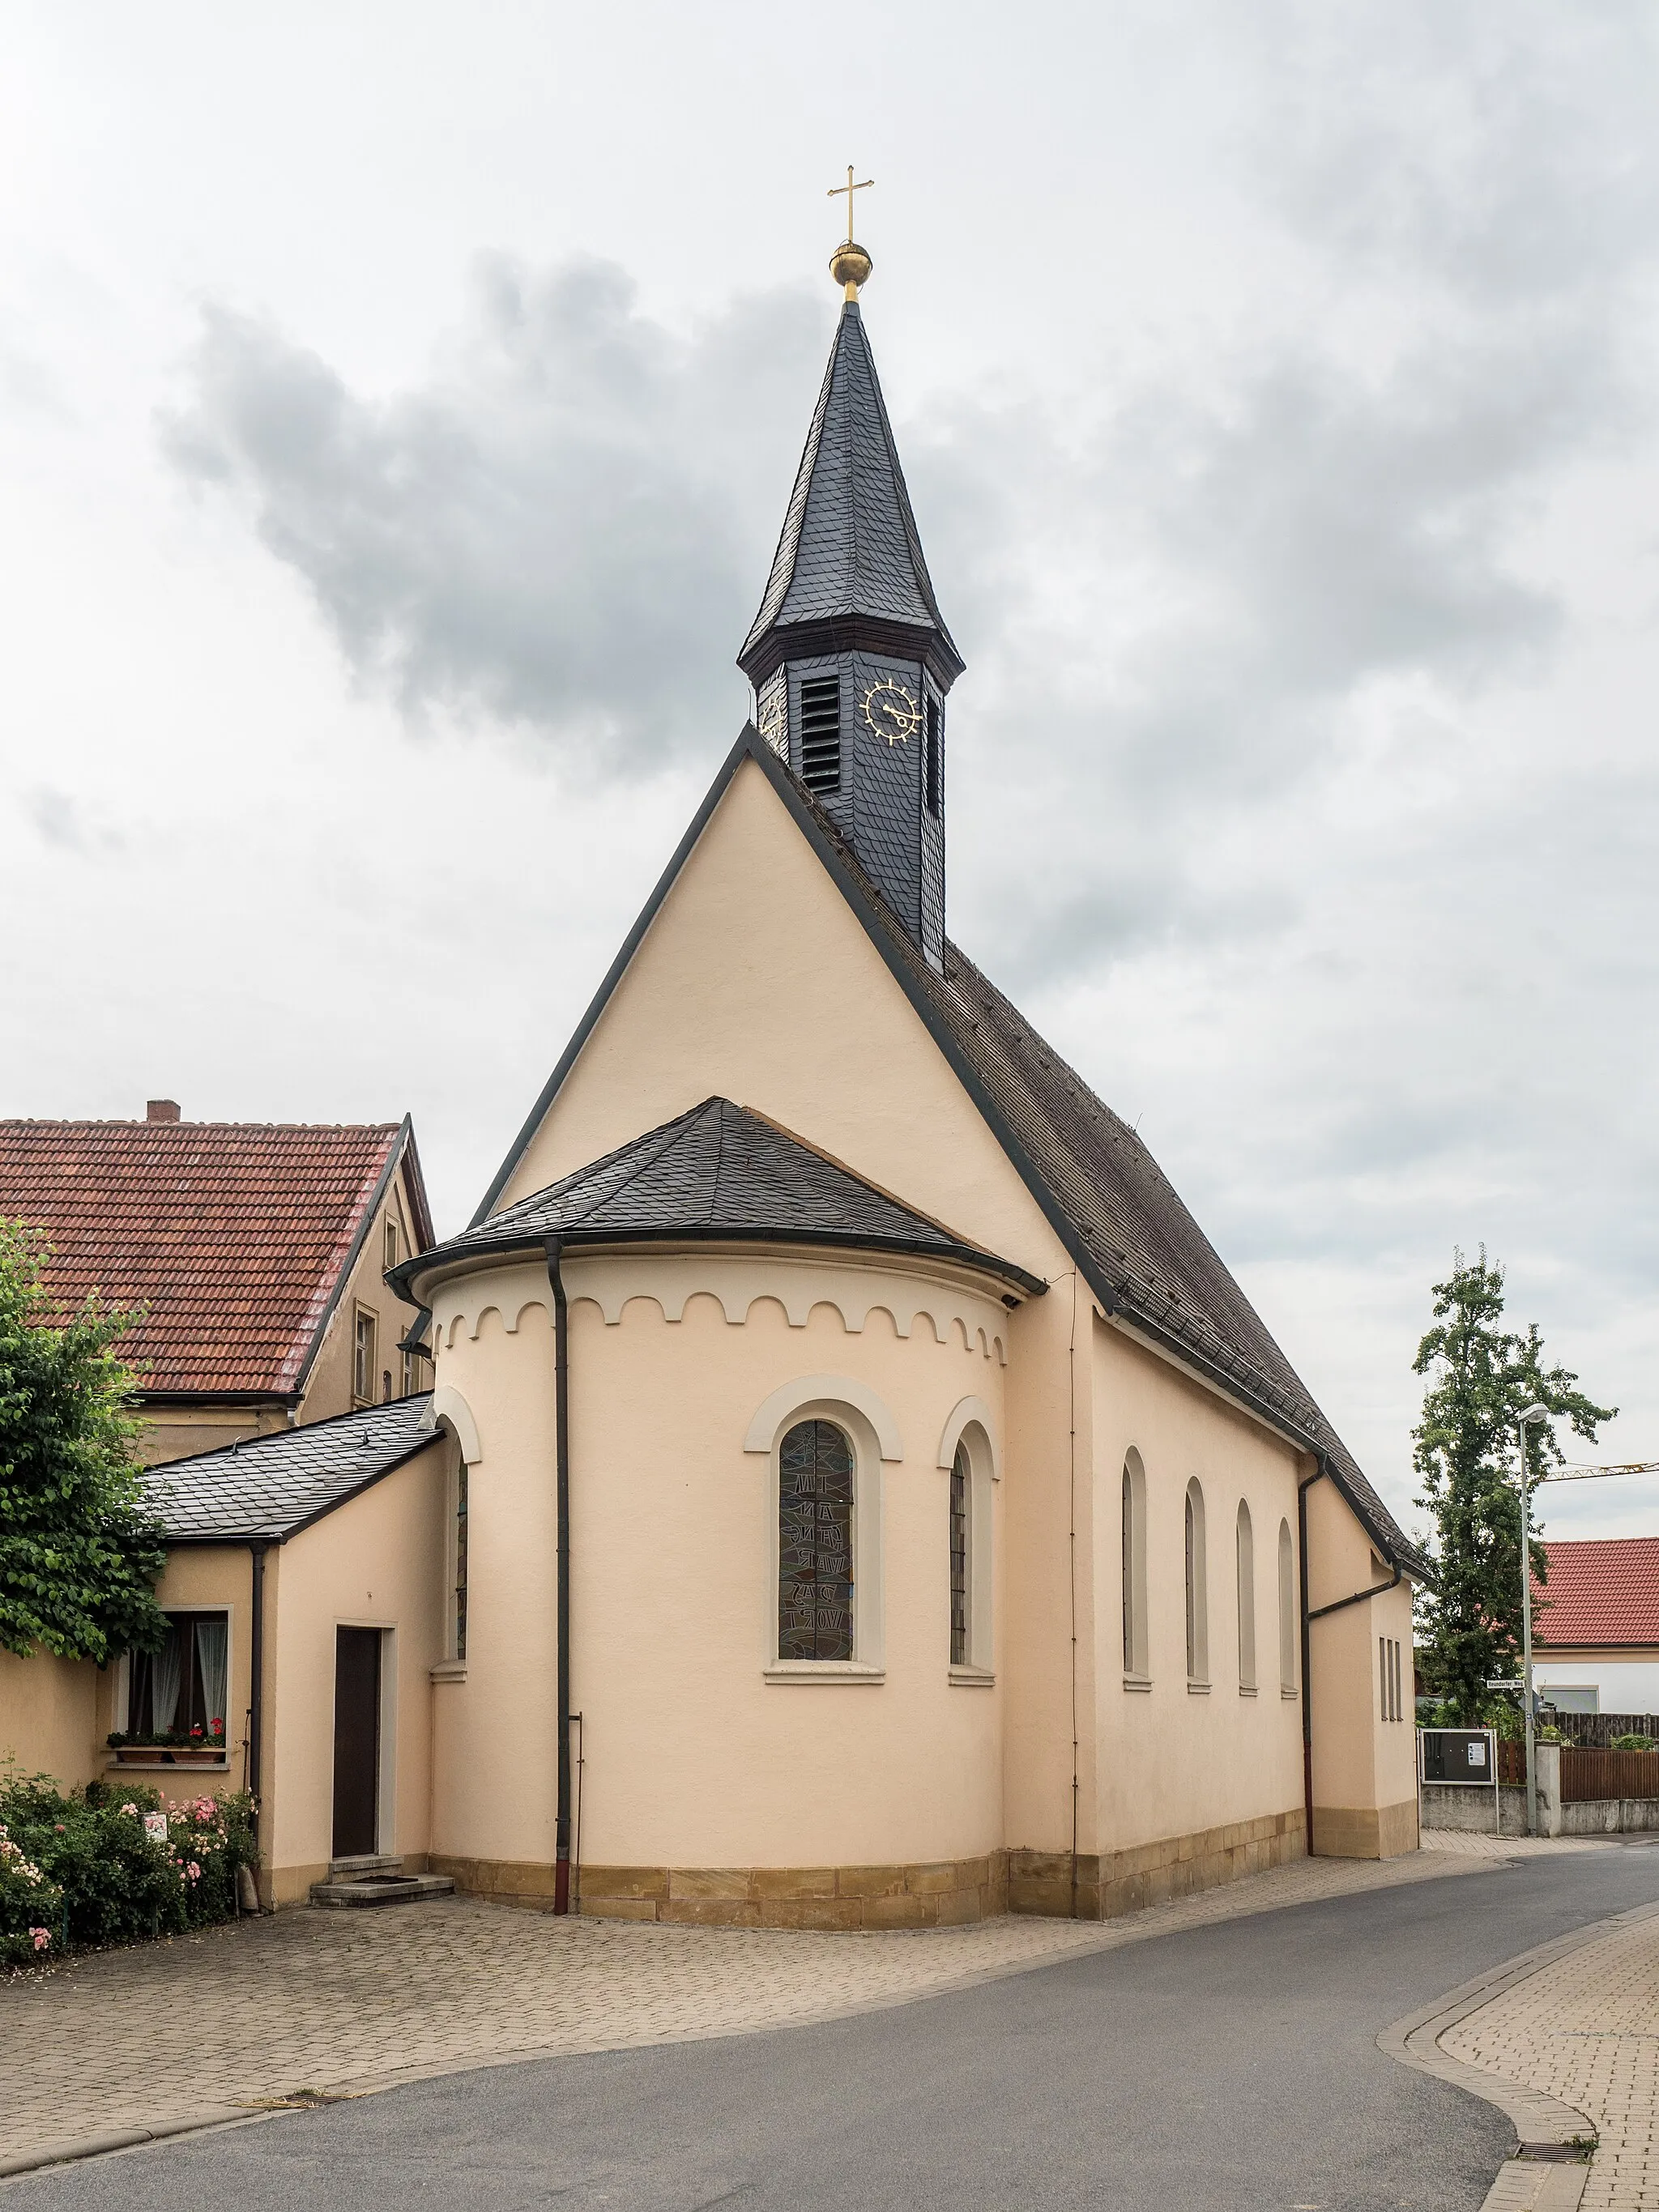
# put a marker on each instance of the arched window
(1287, 1611)
(815, 1543)
(1245, 1544)
(1198, 1611)
(961, 1510)
(1134, 1567)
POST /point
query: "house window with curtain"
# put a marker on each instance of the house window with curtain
(178, 1695)
(815, 1543)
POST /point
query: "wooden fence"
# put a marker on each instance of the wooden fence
(1597, 1730)
(1587, 1774)
(1512, 1760)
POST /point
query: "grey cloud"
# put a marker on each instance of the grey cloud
(552, 530)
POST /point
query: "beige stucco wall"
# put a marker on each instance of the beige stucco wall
(805, 1024)
(693, 1757)
(49, 1715)
(375, 1562)
(1172, 1761)
(1365, 1771)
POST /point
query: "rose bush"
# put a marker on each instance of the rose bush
(84, 1869)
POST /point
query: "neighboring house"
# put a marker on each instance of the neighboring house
(853, 1491)
(1595, 1631)
(258, 1253)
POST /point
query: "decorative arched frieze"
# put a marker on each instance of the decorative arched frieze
(831, 1396)
(448, 1405)
(969, 1412)
(954, 1312)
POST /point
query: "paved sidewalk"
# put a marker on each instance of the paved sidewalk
(242, 2016)
(1459, 1845)
(1585, 2029)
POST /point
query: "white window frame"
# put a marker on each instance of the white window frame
(1244, 1579)
(1288, 1622)
(1137, 1668)
(1195, 1590)
(870, 1428)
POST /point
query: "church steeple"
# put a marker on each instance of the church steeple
(849, 656)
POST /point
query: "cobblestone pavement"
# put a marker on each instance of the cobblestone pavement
(358, 2000)
(1460, 1845)
(1586, 2030)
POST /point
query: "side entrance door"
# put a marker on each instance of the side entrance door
(356, 1741)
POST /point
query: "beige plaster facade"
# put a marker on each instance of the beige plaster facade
(715, 1785)
(1087, 1755)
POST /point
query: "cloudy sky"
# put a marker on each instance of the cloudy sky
(397, 405)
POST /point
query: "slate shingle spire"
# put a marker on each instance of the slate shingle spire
(849, 655)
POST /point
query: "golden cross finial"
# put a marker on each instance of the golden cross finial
(850, 188)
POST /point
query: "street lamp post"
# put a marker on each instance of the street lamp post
(1532, 1413)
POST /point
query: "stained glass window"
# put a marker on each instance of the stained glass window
(815, 1543)
(960, 1479)
(460, 1562)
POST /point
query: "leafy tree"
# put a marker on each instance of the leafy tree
(79, 1556)
(1481, 1377)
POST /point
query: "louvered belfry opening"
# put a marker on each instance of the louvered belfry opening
(820, 733)
(815, 1543)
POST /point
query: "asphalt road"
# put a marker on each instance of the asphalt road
(1231, 2068)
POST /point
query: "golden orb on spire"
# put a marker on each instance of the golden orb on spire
(850, 265)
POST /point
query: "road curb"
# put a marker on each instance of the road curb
(108, 2139)
(1538, 2118)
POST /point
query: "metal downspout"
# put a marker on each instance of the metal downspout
(1302, 1490)
(256, 1684)
(561, 1466)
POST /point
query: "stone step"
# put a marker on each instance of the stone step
(382, 1889)
(354, 1869)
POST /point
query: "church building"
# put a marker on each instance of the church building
(853, 1491)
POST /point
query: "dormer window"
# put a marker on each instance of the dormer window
(820, 733)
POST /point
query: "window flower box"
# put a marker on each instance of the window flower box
(170, 1754)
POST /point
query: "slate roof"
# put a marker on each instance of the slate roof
(236, 1236)
(1134, 1242)
(1601, 1591)
(714, 1173)
(849, 544)
(271, 1487)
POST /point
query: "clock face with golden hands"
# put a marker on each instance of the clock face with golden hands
(772, 721)
(891, 711)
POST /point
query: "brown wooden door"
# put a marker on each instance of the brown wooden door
(356, 1741)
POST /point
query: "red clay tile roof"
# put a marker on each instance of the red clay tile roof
(234, 1235)
(1601, 1590)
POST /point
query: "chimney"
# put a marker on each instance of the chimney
(162, 1109)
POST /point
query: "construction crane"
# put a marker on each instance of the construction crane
(1596, 1473)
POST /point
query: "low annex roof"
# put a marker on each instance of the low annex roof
(1601, 1590)
(268, 1488)
(717, 1172)
(1134, 1242)
(236, 1237)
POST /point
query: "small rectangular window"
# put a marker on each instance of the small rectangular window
(410, 1383)
(820, 733)
(934, 763)
(363, 1356)
(391, 1246)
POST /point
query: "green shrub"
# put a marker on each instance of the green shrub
(1632, 1743)
(84, 1870)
